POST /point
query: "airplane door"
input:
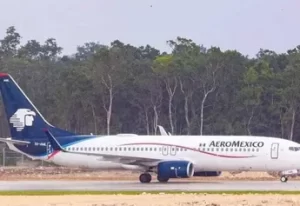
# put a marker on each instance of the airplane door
(274, 150)
(173, 150)
(165, 150)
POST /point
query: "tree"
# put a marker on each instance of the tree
(164, 66)
(119, 87)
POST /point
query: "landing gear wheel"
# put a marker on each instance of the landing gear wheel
(145, 178)
(283, 178)
(162, 179)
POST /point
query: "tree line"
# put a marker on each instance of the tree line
(120, 88)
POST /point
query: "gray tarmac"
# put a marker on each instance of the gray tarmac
(153, 186)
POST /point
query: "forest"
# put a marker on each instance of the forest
(120, 88)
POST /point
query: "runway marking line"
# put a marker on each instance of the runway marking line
(63, 192)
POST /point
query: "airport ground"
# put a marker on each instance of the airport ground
(153, 200)
(60, 173)
(54, 173)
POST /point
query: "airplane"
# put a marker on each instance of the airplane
(26, 124)
(177, 156)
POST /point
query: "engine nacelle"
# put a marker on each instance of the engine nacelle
(175, 169)
(207, 173)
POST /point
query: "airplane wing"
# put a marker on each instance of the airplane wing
(109, 157)
(18, 142)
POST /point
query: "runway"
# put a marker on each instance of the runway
(154, 186)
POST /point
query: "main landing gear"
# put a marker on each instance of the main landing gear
(283, 178)
(146, 178)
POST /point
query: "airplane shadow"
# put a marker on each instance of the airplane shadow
(181, 183)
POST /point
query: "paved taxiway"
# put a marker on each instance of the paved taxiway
(154, 186)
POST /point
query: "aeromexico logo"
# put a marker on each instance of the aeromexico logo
(236, 144)
(22, 118)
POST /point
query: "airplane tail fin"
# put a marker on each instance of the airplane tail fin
(25, 121)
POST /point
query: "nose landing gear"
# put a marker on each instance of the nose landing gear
(283, 178)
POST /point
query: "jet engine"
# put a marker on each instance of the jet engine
(207, 173)
(175, 169)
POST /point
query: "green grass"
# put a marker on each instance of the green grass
(48, 192)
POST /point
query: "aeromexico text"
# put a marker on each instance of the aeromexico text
(236, 144)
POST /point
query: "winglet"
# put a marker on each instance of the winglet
(162, 130)
(54, 143)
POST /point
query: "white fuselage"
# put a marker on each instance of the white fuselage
(234, 154)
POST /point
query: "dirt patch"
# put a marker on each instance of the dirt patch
(61, 173)
(153, 200)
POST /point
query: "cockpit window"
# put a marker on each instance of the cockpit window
(294, 149)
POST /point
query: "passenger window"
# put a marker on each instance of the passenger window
(295, 149)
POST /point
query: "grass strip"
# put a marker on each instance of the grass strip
(62, 192)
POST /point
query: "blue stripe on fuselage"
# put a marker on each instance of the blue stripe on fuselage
(38, 147)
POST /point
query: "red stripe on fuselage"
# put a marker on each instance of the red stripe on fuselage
(189, 148)
(53, 154)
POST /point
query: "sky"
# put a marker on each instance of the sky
(244, 25)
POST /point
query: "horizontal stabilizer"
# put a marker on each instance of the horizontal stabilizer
(18, 142)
